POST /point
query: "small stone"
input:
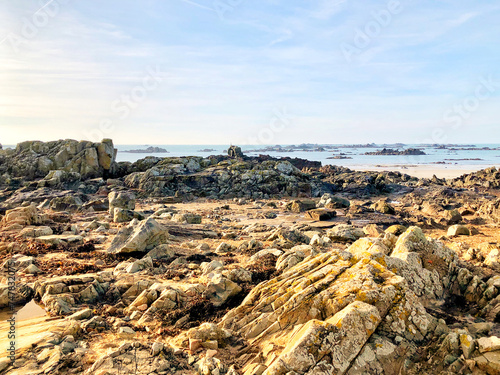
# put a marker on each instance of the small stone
(67, 347)
(136, 315)
(210, 344)
(458, 230)
(126, 332)
(467, 344)
(303, 205)
(452, 216)
(383, 207)
(194, 344)
(156, 348)
(211, 353)
(488, 344)
(396, 229)
(321, 214)
(81, 315)
(449, 359)
(373, 230)
(223, 248)
(4, 363)
(203, 247)
(32, 270)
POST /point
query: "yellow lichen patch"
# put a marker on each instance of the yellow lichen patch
(464, 340)
(381, 260)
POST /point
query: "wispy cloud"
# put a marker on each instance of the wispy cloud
(198, 5)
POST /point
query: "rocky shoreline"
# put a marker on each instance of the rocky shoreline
(245, 265)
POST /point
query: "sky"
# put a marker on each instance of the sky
(250, 72)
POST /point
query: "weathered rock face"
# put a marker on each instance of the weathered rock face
(332, 201)
(121, 206)
(35, 159)
(22, 216)
(20, 294)
(487, 178)
(302, 205)
(138, 237)
(226, 178)
(425, 263)
(383, 207)
(317, 317)
(234, 152)
(343, 179)
(121, 199)
(59, 294)
(66, 203)
(345, 233)
(491, 211)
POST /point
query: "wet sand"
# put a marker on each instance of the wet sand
(424, 171)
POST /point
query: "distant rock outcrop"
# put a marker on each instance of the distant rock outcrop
(235, 152)
(35, 159)
(390, 151)
(149, 150)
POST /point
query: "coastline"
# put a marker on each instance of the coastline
(424, 171)
(117, 263)
(358, 162)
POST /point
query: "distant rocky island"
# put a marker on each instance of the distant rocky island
(474, 149)
(207, 150)
(340, 157)
(390, 151)
(149, 150)
(292, 148)
(314, 147)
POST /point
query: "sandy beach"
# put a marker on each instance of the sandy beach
(425, 171)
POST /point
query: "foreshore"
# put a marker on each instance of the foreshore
(425, 171)
(242, 265)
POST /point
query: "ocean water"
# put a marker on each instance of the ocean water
(435, 156)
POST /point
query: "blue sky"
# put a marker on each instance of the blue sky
(248, 72)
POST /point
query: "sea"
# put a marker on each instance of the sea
(470, 157)
(453, 157)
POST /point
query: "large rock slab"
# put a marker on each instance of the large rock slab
(342, 336)
(23, 216)
(317, 316)
(138, 237)
(35, 159)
